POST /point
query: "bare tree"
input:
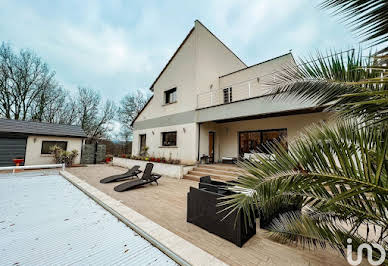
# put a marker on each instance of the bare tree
(24, 78)
(29, 91)
(94, 122)
(130, 106)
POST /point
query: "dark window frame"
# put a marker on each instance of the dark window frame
(168, 99)
(261, 131)
(228, 95)
(164, 135)
(140, 140)
(53, 143)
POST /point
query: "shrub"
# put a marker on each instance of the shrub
(61, 156)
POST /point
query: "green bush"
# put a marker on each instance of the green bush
(61, 156)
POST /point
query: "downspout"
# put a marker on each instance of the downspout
(199, 139)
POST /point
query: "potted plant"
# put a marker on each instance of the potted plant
(108, 158)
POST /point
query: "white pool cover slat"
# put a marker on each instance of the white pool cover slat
(45, 220)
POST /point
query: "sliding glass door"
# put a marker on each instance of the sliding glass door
(258, 139)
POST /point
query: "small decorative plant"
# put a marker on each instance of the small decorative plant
(144, 151)
(155, 159)
(61, 156)
(108, 158)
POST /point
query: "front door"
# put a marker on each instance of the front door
(211, 146)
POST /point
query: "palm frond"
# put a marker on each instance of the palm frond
(343, 82)
(338, 170)
(307, 231)
(368, 18)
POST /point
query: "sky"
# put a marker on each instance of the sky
(119, 46)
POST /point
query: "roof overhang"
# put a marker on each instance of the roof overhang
(256, 108)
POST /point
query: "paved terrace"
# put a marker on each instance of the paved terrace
(166, 205)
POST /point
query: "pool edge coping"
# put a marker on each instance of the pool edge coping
(170, 244)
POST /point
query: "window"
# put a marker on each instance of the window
(228, 95)
(47, 145)
(272, 136)
(259, 139)
(170, 96)
(169, 138)
(143, 144)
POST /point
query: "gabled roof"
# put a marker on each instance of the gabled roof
(173, 56)
(222, 43)
(263, 62)
(38, 128)
(180, 46)
(133, 121)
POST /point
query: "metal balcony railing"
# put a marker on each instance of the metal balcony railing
(239, 91)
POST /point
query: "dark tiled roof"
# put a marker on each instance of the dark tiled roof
(37, 128)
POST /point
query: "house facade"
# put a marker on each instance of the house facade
(32, 141)
(208, 102)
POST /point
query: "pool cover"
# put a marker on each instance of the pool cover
(45, 220)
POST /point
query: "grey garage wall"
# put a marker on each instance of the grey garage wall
(11, 148)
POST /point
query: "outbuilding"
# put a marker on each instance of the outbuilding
(32, 141)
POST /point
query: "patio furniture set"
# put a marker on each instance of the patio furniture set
(203, 208)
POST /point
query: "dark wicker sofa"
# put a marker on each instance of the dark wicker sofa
(202, 210)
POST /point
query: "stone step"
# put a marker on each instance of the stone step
(216, 171)
(197, 178)
(213, 175)
(191, 177)
(230, 168)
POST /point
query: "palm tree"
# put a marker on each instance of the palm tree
(337, 170)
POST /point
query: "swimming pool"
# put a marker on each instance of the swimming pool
(45, 220)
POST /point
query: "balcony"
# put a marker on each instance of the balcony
(232, 93)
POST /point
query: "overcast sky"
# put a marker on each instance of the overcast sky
(119, 46)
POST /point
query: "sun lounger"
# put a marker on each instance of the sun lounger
(147, 178)
(134, 171)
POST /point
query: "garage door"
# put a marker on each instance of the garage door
(11, 148)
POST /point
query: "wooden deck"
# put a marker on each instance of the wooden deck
(166, 205)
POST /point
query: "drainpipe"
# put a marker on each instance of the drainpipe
(199, 139)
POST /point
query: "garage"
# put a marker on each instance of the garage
(31, 141)
(11, 148)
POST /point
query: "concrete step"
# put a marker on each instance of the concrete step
(216, 171)
(213, 175)
(230, 168)
(191, 177)
(197, 178)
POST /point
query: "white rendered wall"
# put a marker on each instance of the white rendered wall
(186, 149)
(34, 147)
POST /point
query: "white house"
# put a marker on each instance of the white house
(207, 101)
(32, 141)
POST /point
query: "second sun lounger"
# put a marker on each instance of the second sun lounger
(147, 178)
(134, 171)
